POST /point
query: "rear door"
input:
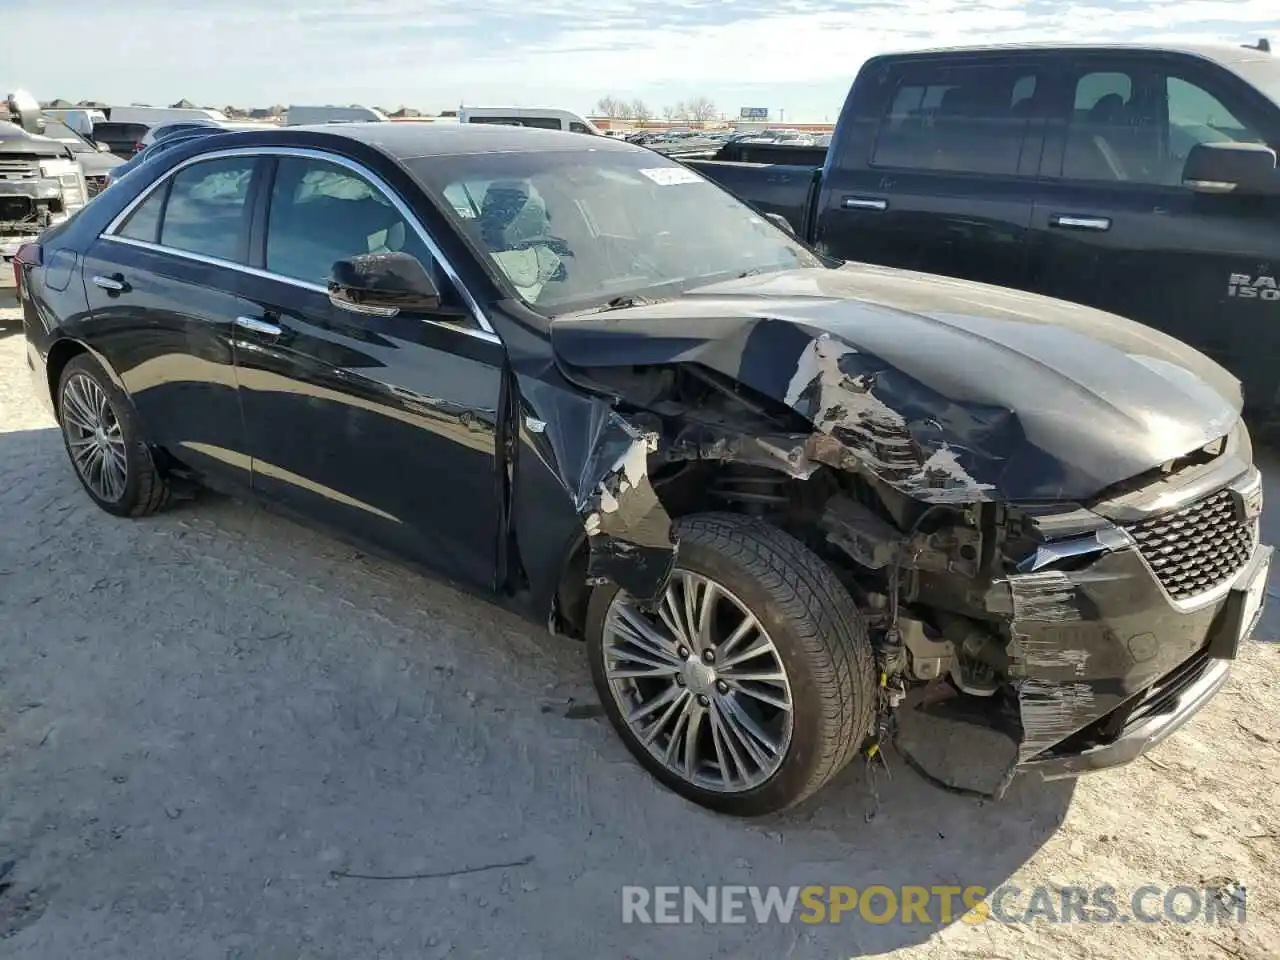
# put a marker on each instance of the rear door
(1115, 228)
(936, 170)
(381, 426)
(163, 286)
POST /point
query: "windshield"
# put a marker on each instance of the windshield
(572, 230)
(58, 130)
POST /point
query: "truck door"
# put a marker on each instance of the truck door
(1115, 228)
(935, 170)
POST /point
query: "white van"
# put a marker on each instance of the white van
(546, 118)
(296, 116)
(153, 115)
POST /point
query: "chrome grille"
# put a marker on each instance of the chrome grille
(1197, 548)
(19, 168)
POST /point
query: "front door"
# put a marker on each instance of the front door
(163, 285)
(943, 180)
(381, 426)
(1115, 228)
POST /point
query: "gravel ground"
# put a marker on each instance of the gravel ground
(204, 715)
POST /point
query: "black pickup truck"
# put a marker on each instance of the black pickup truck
(1137, 179)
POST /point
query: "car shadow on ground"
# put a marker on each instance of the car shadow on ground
(250, 702)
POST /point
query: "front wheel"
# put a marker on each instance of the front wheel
(750, 685)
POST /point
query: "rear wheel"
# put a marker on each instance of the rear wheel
(104, 441)
(751, 684)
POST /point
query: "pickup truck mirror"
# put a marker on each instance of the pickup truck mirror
(781, 222)
(25, 110)
(382, 284)
(1231, 168)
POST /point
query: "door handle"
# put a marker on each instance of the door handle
(258, 325)
(1081, 223)
(864, 203)
(114, 284)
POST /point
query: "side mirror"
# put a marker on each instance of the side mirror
(781, 222)
(102, 148)
(1230, 168)
(382, 284)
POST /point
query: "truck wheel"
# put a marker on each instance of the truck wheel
(104, 441)
(751, 683)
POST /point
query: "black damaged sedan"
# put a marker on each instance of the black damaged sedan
(780, 498)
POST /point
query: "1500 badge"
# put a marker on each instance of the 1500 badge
(1261, 287)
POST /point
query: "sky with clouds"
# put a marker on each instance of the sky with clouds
(792, 55)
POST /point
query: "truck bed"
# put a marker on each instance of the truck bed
(773, 178)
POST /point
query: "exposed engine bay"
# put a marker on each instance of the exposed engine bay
(975, 608)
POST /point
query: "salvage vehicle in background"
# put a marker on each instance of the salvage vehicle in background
(781, 499)
(1137, 179)
(96, 163)
(40, 181)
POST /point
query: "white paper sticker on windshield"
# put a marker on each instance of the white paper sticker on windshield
(668, 176)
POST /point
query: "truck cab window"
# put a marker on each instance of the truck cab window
(1195, 117)
(958, 119)
(1139, 127)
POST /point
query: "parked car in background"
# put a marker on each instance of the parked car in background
(774, 494)
(41, 183)
(302, 115)
(153, 115)
(119, 138)
(160, 146)
(171, 128)
(543, 118)
(1140, 179)
(79, 119)
(94, 160)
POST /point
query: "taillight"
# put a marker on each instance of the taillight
(28, 255)
(138, 148)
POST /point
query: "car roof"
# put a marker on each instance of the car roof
(405, 141)
(1218, 52)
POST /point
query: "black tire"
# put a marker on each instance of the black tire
(821, 639)
(146, 489)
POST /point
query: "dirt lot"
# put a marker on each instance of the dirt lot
(206, 714)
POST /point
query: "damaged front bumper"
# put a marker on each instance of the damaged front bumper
(1110, 653)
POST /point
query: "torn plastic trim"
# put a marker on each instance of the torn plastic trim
(1102, 540)
(629, 534)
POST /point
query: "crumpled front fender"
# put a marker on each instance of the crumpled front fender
(584, 474)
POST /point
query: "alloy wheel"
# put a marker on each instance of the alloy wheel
(94, 438)
(700, 683)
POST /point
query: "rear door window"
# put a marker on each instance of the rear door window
(959, 119)
(207, 209)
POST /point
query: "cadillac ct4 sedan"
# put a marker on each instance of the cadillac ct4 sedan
(780, 498)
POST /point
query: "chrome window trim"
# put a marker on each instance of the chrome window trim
(485, 331)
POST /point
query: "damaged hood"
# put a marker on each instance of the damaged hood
(946, 389)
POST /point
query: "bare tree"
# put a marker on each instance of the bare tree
(702, 109)
(669, 112)
(640, 111)
(613, 108)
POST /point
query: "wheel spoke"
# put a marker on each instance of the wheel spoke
(692, 730)
(762, 646)
(764, 696)
(651, 732)
(640, 633)
(747, 731)
(719, 717)
(657, 703)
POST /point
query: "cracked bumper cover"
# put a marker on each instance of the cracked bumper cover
(1106, 665)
